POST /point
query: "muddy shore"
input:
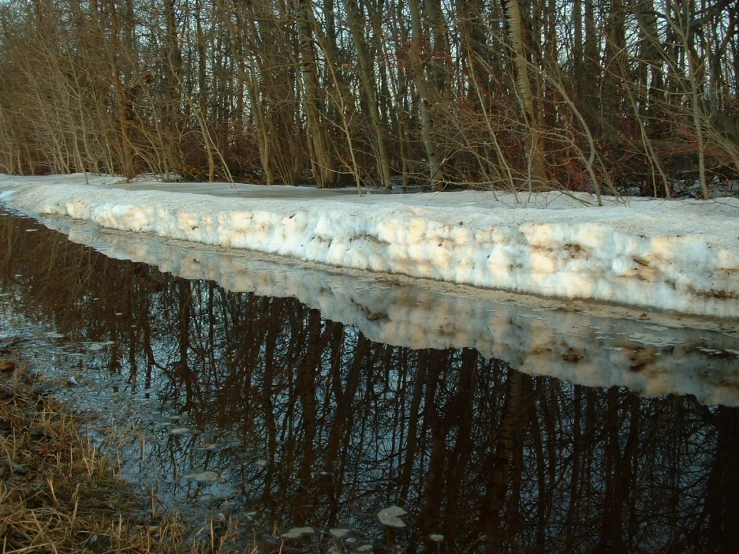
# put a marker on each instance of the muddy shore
(59, 494)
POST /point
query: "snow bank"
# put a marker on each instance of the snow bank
(680, 255)
(588, 345)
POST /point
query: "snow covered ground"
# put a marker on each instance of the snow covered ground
(654, 254)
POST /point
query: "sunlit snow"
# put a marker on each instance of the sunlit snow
(672, 255)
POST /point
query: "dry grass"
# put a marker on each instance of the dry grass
(59, 495)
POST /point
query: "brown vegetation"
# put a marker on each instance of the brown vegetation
(514, 95)
(59, 495)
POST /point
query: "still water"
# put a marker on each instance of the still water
(287, 396)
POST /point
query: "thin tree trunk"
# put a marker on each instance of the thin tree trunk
(424, 91)
(121, 95)
(323, 160)
(366, 75)
(537, 164)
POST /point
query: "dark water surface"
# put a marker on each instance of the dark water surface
(292, 397)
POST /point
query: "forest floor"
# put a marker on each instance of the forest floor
(59, 494)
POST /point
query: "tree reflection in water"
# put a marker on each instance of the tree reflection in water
(493, 459)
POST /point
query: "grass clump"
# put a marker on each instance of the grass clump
(59, 495)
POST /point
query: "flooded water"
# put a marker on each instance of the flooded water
(287, 396)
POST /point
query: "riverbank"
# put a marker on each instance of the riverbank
(646, 253)
(59, 494)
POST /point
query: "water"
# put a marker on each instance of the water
(315, 398)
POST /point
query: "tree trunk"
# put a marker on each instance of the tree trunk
(323, 160)
(366, 75)
(424, 91)
(537, 170)
(122, 98)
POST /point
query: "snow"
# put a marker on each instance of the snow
(654, 254)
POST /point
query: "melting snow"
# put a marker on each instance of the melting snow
(671, 255)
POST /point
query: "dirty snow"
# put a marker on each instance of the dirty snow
(667, 255)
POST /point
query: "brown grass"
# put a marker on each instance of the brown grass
(58, 495)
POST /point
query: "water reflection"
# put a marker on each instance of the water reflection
(652, 354)
(310, 421)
